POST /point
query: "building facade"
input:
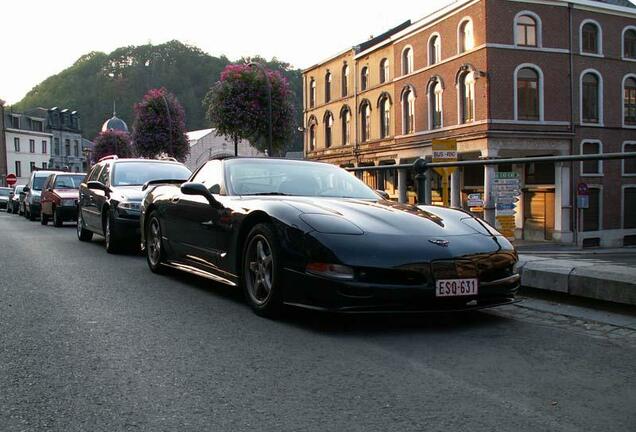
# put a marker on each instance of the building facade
(205, 144)
(3, 148)
(505, 78)
(28, 144)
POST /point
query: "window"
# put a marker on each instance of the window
(32, 166)
(312, 93)
(384, 70)
(435, 103)
(467, 97)
(16, 144)
(36, 125)
(465, 36)
(434, 49)
(364, 78)
(590, 38)
(385, 116)
(629, 165)
(629, 43)
(57, 146)
(15, 122)
(327, 87)
(590, 98)
(328, 129)
(43, 165)
(18, 169)
(408, 110)
(629, 104)
(526, 31)
(591, 167)
(211, 174)
(345, 80)
(365, 121)
(67, 145)
(407, 61)
(32, 146)
(44, 147)
(312, 134)
(345, 115)
(592, 215)
(629, 207)
(76, 148)
(528, 94)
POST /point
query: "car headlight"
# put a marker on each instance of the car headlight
(334, 271)
(129, 207)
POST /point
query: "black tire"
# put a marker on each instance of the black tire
(31, 216)
(111, 235)
(82, 233)
(255, 271)
(57, 220)
(44, 219)
(155, 253)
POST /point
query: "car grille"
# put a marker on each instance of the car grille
(485, 267)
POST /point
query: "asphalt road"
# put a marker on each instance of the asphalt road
(95, 342)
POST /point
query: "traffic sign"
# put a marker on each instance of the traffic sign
(506, 200)
(583, 189)
(11, 179)
(510, 206)
(507, 175)
(505, 212)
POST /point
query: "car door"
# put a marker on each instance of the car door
(46, 198)
(88, 203)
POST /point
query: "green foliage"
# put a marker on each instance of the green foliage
(96, 79)
(112, 142)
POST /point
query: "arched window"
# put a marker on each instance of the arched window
(365, 121)
(629, 43)
(384, 70)
(467, 96)
(345, 80)
(528, 94)
(526, 31)
(328, 128)
(590, 98)
(312, 134)
(407, 61)
(385, 116)
(435, 103)
(364, 78)
(345, 118)
(591, 42)
(434, 49)
(312, 93)
(629, 104)
(408, 111)
(465, 37)
(327, 87)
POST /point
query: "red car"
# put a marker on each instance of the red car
(59, 197)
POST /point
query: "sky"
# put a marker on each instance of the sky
(43, 37)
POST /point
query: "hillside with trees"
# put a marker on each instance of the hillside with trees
(97, 79)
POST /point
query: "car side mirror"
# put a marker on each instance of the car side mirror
(190, 188)
(383, 194)
(98, 186)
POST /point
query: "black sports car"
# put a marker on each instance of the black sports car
(310, 234)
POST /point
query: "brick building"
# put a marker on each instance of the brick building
(506, 78)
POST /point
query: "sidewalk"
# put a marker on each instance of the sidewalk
(602, 274)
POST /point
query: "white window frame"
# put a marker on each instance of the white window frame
(623, 173)
(600, 98)
(406, 71)
(600, 38)
(411, 90)
(345, 80)
(346, 125)
(625, 78)
(385, 68)
(629, 27)
(623, 187)
(428, 47)
(460, 41)
(460, 102)
(328, 122)
(541, 95)
(312, 93)
(599, 162)
(537, 20)
(429, 96)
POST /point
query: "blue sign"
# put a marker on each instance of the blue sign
(505, 206)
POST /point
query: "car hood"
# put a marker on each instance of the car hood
(128, 193)
(67, 193)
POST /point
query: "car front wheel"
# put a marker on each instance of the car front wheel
(154, 247)
(57, 219)
(261, 272)
(111, 235)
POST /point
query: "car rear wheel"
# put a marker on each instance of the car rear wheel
(260, 276)
(57, 219)
(82, 233)
(154, 247)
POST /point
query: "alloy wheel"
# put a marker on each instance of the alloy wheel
(260, 269)
(153, 243)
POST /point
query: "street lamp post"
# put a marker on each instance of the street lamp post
(269, 104)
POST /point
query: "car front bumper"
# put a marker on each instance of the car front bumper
(321, 293)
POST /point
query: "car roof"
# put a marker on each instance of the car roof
(115, 161)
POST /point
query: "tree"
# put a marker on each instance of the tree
(237, 106)
(159, 127)
(112, 142)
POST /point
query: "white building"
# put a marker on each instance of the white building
(28, 145)
(205, 144)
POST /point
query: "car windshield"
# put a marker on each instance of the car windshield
(38, 181)
(68, 181)
(5, 192)
(138, 173)
(295, 178)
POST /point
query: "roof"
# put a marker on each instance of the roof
(623, 3)
(384, 36)
(198, 134)
(115, 123)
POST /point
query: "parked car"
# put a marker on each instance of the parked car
(4, 198)
(33, 192)
(14, 199)
(111, 194)
(59, 198)
(310, 234)
(21, 204)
